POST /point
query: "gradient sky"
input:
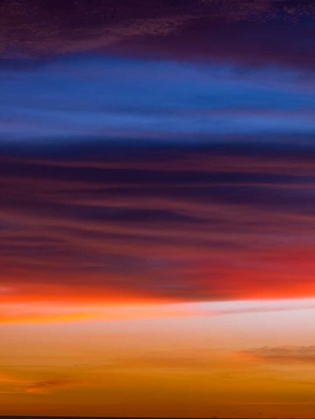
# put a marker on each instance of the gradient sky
(157, 165)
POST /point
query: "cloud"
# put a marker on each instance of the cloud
(286, 355)
(164, 223)
(52, 28)
(20, 383)
(47, 386)
(152, 101)
(8, 378)
(245, 31)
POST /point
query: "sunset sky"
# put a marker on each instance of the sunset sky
(157, 208)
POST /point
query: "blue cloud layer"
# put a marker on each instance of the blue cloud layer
(106, 97)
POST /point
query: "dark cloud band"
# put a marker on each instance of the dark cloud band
(171, 231)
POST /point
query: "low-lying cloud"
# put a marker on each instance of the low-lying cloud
(287, 355)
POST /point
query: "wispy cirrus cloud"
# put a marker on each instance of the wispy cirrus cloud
(238, 27)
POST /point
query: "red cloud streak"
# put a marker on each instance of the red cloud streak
(140, 229)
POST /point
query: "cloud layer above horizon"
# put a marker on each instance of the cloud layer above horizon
(162, 221)
(160, 152)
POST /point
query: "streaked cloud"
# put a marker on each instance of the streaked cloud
(282, 355)
(47, 386)
(246, 32)
(110, 98)
(168, 232)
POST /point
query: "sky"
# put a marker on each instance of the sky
(157, 174)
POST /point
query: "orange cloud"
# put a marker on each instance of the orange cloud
(45, 387)
(303, 354)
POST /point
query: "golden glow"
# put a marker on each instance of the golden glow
(223, 359)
